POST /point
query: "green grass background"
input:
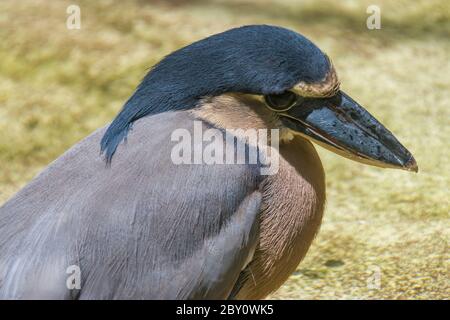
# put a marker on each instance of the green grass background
(58, 85)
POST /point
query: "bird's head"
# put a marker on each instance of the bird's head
(296, 81)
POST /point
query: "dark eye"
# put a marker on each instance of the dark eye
(282, 101)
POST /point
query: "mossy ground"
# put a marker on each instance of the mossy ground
(58, 85)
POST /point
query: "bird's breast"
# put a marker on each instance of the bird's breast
(291, 213)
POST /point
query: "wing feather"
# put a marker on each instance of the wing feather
(141, 228)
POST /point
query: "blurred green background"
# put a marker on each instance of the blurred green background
(58, 85)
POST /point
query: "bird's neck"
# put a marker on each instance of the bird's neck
(239, 111)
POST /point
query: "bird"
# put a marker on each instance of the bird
(137, 225)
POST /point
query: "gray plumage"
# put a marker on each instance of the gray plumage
(143, 228)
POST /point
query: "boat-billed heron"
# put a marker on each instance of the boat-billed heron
(137, 225)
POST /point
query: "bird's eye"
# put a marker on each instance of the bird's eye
(281, 102)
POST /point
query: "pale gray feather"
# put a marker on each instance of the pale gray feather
(143, 228)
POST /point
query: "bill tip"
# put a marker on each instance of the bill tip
(411, 165)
